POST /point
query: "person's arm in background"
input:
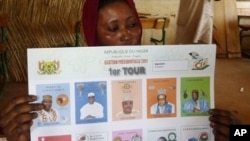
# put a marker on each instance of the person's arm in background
(16, 117)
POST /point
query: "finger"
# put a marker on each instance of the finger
(224, 120)
(24, 137)
(219, 112)
(17, 101)
(221, 138)
(16, 111)
(235, 120)
(23, 129)
(21, 137)
(19, 122)
(223, 116)
(220, 129)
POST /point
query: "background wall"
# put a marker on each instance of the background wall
(168, 8)
(35, 24)
(226, 33)
(244, 7)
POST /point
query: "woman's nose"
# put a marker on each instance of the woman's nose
(125, 35)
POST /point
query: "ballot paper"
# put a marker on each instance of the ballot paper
(126, 93)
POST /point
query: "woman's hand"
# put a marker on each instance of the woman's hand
(16, 117)
(220, 122)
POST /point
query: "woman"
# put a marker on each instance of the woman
(106, 23)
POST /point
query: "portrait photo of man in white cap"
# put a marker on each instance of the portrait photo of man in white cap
(128, 112)
(48, 114)
(163, 106)
(92, 109)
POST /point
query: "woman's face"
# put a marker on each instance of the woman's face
(118, 25)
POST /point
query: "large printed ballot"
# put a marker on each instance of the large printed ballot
(132, 93)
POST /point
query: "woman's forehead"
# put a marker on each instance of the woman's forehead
(103, 3)
(119, 7)
(116, 12)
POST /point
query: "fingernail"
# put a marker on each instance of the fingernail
(212, 124)
(35, 115)
(18, 130)
(210, 118)
(210, 111)
(40, 106)
(33, 97)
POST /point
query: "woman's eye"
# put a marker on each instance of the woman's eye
(132, 25)
(113, 29)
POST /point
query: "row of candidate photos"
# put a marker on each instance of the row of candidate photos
(93, 99)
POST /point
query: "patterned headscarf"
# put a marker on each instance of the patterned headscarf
(89, 20)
